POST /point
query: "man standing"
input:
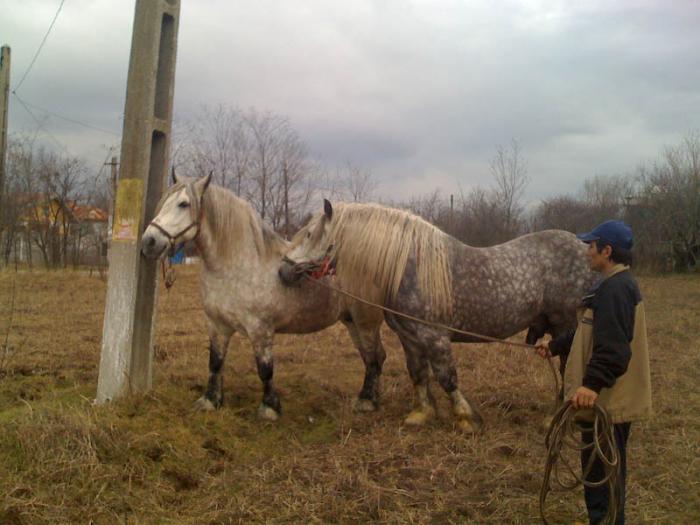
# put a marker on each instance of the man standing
(607, 361)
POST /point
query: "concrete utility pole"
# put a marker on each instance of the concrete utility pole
(126, 360)
(4, 100)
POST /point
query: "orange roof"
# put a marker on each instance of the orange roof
(78, 212)
(89, 213)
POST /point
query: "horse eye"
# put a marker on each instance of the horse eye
(184, 204)
(308, 235)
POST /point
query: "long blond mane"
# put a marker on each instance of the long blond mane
(235, 226)
(372, 244)
(233, 220)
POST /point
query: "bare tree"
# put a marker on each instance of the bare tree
(19, 186)
(480, 221)
(509, 171)
(357, 184)
(563, 212)
(256, 154)
(608, 195)
(287, 194)
(668, 206)
(429, 206)
(58, 180)
(218, 141)
(268, 131)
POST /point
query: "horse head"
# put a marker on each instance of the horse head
(310, 249)
(178, 216)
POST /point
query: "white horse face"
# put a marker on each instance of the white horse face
(177, 220)
(309, 246)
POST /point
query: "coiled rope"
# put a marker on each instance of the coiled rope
(563, 432)
(563, 435)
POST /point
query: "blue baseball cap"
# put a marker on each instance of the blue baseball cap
(614, 233)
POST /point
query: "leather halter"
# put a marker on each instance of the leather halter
(194, 224)
(315, 269)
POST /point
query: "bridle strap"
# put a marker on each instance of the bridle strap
(170, 237)
(196, 223)
(318, 268)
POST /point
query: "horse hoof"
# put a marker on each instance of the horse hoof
(365, 405)
(203, 405)
(267, 414)
(419, 417)
(466, 427)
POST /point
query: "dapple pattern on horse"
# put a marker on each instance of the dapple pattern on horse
(398, 260)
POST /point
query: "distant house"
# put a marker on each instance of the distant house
(58, 232)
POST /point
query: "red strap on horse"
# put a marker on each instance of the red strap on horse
(325, 269)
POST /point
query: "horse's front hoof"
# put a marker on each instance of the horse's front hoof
(419, 417)
(203, 404)
(365, 405)
(267, 413)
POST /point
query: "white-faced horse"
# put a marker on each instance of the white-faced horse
(242, 292)
(396, 259)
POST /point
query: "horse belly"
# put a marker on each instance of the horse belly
(303, 313)
(496, 313)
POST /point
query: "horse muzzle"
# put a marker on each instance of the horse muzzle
(289, 274)
(153, 245)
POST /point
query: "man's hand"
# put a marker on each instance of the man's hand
(542, 350)
(584, 398)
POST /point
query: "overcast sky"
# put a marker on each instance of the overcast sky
(418, 92)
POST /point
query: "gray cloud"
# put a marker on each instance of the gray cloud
(418, 92)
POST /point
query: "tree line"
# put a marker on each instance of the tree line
(49, 208)
(660, 200)
(261, 157)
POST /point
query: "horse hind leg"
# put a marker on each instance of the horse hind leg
(213, 396)
(369, 344)
(270, 408)
(467, 418)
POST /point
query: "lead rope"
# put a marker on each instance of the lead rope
(562, 430)
(563, 435)
(557, 387)
(168, 272)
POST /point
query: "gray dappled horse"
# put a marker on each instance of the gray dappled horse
(242, 292)
(396, 259)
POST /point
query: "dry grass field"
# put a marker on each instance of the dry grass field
(151, 460)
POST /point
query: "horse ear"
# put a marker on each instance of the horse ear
(328, 208)
(202, 184)
(173, 176)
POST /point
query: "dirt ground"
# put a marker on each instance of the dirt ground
(151, 460)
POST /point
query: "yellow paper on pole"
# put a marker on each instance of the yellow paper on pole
(127, 210)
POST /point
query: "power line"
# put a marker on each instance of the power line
(39, 126)
(36, 55)
(48, 112)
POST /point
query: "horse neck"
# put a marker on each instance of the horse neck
(231, 232)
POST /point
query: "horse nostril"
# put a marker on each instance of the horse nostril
(151, 242)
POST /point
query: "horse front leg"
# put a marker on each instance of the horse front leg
(213, 396)
(419, 371)
(369, 344)
(270, 408)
